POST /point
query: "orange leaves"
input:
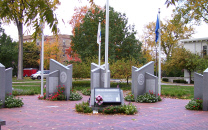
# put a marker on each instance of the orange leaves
(72, 56)
(52, 50)
(79, 15)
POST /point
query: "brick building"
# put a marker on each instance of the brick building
(63, 39)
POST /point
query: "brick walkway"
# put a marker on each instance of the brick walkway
(61, 115)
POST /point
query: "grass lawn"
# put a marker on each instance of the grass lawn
(181, 92)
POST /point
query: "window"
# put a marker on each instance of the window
(204, 51)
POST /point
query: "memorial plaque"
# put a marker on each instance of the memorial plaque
(150, 85)
(53, 84)
(96, 80)
(111, 96)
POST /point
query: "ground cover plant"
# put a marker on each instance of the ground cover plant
(129, 97)
(194, 104)
(129, 109)
(74, 95)
(86, 91)
(148, 98)
(11, 101)
(83, 107)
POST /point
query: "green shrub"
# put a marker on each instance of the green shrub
(165, 79)
(18, 92)
(148, 98)
(126, 109)
(86, 91)
(179, 81)
(83, 107)
(130, 109)
(11, 101)
(194, 104)
(129, 97)
(75, 96)
(76, 84)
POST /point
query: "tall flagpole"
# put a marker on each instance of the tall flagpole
(42, 59)
(99, 34)
(106, 44)
(159, 71)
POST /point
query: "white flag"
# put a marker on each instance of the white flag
(99, 34)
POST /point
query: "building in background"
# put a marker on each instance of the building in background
(196, 46)
(63, 39)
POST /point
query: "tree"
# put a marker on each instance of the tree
(171, 32)
(52, 50)
(189, 10)
(28, 12)
(8, 51)
(71, 56)
(121, 69)
(31, 55)
(203, 64)
(183, 59)
(170, 2)
(122, 41)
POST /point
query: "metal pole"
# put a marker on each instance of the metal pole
(100, 42)
(42, 61)
(106, 43)
(159, 71)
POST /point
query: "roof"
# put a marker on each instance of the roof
(194, 40)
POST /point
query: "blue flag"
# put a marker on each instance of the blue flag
(157, 29)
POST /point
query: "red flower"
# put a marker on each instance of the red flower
(10, 93)
(194, 106)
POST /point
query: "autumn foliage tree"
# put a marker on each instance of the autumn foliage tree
(52, 50)
(183, 59)
(171, 32)
(189, 11)
(121, 69)
(122, 41)
(72, 56)
(28, 12)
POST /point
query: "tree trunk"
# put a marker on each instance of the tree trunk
(127, 80)
(20, 55)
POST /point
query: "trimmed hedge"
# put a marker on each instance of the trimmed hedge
(165, 79)
(179, 81)
(81, 84)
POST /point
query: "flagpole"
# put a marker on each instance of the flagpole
(42, 60)
(159, 71)
(100, 42)
(106, 44)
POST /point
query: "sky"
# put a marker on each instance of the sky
(138, 12)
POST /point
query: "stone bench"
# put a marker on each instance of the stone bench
(2, 122)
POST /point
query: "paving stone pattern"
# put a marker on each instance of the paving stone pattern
(61, 115)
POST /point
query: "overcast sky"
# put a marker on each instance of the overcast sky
(138, 12)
